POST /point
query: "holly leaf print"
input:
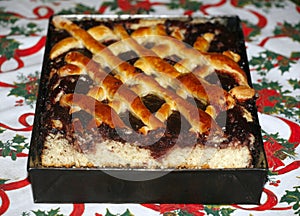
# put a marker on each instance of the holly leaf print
(19, 139)
(26, 88)
(79, 9)
(250, 30)
(292, 31)
(112, 5)
(2, 181)
(52, 212)
(216, 211)
(292, 197)
(267, 60)
(14, 146)
(179, 212)
(184, 213)
(8, 47)
(126, 213)
(260, 3)
(29, 29)
(295, 55)
(187, 5)
(277, 149)
(272, 99)
(7, 18)
(295, 83)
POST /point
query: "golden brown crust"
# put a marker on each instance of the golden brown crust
(200, 121)
(242, 93)
(149, 30)
(97, 92)
(234, 56)
(69, 69)
(207, 93)
(115, 90)
(116, 87)
(101, 112)
(202, 43)
(216, 60)
(226, 65)
(63, 46)
(152, 64)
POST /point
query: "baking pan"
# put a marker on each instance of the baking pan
(113, 185)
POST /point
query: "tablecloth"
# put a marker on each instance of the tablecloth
(272, 33)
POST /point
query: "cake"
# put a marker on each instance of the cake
(154, 93)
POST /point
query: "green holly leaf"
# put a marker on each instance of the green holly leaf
(1, 130)
(288, 148)
(8, 47)
(183, 213)
(52, 212)
(257, 61)
(292, 31)
(295, 55)
(19, 139)
(292, 197)
(108, 213)
(112, 5)
(20, 148)
(187, 5)
(242, 3)
(268, 65)
(268, 4)
(226, 211)
(272, 99)
(295, 83)
(217, 211)
(7, 18)
(13, 155)
(29, 29)
(267, 60)
(80, 9)
(19, 90)
(31, 25)
(260, 3)
(2, 181)
(27, 88)
(5, 152)
(126, 213)
(12, 147)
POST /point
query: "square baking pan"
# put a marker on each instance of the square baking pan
(142, 185)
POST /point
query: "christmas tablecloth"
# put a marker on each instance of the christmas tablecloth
(272, 32)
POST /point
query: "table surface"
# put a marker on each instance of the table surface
(272, 32)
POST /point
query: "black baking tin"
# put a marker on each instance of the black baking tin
(206, 186)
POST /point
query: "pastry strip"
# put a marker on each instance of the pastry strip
(199, 120)
(193, 56)
(196, 86)
(115, 89)
(101, 112)
(100, 33)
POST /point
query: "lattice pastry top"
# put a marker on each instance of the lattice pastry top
(131, 76)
